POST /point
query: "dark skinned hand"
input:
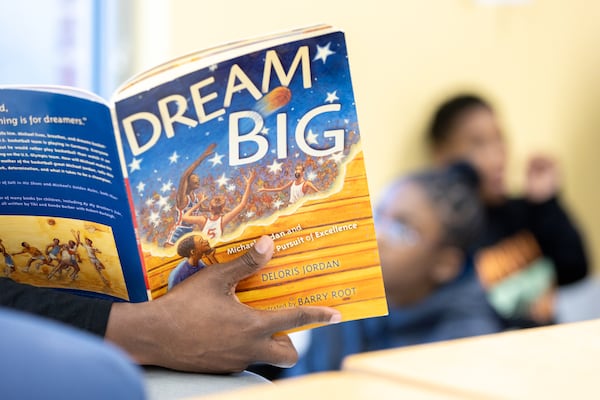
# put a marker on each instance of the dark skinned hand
(201, 325)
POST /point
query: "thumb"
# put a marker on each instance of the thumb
(249, 262)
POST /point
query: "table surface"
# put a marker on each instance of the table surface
(163, 384)
(334, 385)
(551, 362)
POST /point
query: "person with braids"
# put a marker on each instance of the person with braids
(425, 223)
(529, 244)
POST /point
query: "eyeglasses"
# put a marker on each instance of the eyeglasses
(395, 230)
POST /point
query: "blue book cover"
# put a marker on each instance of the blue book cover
(254, 138)
(65, 220)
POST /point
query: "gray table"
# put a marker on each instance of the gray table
(163, 384)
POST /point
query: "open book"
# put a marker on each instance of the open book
(187, 166)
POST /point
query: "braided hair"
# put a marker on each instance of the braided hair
(453, 192)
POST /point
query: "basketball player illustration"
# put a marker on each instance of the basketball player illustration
(68, 258)
(64, 262)
(9, 264)
(34, 255)
(53, 250)
(212, 226)
(187, 198)
(193, 248)
(299, 186)
(92, 253)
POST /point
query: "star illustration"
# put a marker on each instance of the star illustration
(149, 202)
(174, 157)
(166, 187)
(265, 131)
(311, 137)
(276, 204)
(216, 159)
(213, 68)
(134, 165)
(162, 201)
(320, 162)
(140, 187)
(323, 52)
(222, 181)
(230, 187)
(275, 167)
(249, 214)
(311, 176)
(337, 157)
(331, 97)
(154, 218)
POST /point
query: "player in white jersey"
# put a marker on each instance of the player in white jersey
(296, 191)
(213, 228)
(187, 198)
(65, 262)
(93, 256)
(299, 186)
(214, 224)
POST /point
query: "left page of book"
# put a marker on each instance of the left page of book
(65, 221)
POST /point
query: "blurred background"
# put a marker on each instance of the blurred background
(536, 60)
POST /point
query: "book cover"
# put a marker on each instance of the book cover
(222, 150)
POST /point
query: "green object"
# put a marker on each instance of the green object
(513, 296)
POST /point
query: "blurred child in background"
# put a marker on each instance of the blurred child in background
(529, 243)
(425, 224)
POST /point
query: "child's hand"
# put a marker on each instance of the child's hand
(543, 179)
(542, 309)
